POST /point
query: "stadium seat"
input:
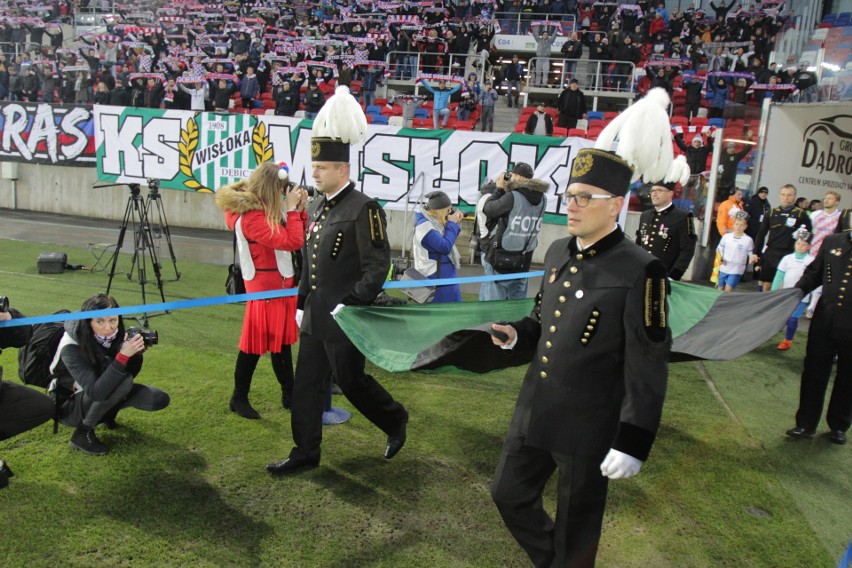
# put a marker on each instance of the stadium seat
(380, 102)
(421, 113)
(379, 119)
(561, 132)
(679, 121)
(373, 109)
(594, 115)
(464, 125)
(609, 116)
(717, 122)
(700, 121)
(577, 132)
(395, 121)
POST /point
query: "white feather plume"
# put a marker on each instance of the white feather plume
(642, 136)
(341, 117)
(679, 171)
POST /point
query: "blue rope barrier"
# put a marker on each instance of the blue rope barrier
(237, 298)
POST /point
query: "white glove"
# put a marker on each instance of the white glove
(336, 310)
(618, 465)
(299, 315)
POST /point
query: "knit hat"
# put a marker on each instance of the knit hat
(523, 169)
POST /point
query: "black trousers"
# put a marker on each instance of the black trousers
(565, 121)
(317, 360)
(22, 409)
(522, 473)
(819, 357)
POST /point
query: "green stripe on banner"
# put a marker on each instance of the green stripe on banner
(211, 167)
(691, 304)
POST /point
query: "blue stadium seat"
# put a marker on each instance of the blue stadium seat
(842, 20)
(380, 119)
(421, 113)
(716, 122)
(373, 109)
(685, 204)
(595, 115)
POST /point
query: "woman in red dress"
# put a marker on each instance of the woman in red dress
(265, 243)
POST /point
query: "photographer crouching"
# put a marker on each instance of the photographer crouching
(98, 362)
(21, 408)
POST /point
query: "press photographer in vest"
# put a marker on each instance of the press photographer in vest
(21, 408)
(518, 206)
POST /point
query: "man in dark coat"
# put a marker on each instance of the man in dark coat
(539, 122)
(592, 397)
(346, 262)
(667, 232)
(571, 105)
(830, 334)
(696, 153)
(757, 208)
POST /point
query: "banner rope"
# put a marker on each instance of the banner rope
(237, 298)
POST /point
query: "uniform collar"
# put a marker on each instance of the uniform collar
(337, 197)
(665, 209)
(603, 245)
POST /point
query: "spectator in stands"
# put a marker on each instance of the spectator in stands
(543, 44)
(197, 92)
(571, 105)
(81, 88)
(721, 10)
(313, 100)
(286, 101)
(170, 92)
(598, 53)
(154, 93)
(466, 106)
(369, 82)
(718, 94)
(489, 99)
(740, 98)
(15, 85)
(249, 88)
(29, 84)
(807, 83)
(625, 53)
(48, 82)
(757, 208)
(696, 153)
(572, 50)
(344, 76)
(662, 81)
(101, 94)
(539, 122)
(728, 164)
(441, 101)
(222, 96)
(513, 73)
(119, 95)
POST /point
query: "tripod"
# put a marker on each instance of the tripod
(155, 201)
(136, 214)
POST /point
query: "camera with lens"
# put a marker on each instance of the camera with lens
(4, 304)
(309, 189)
(399, 266)
(149, 336)
(153, 184)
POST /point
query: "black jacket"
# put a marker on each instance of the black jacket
(670, 236)
(696, 158)
(286, 102)
(347, 257)
(572, 103)
(757, 209)
(532, 122)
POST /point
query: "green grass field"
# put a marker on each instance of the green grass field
(187, 486)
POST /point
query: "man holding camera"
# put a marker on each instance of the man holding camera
(517, 205)
(21, 408)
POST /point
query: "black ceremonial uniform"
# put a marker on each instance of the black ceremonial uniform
(600, 343)
(830, 333)
(670, 236)
(844, 224)
(346, 261)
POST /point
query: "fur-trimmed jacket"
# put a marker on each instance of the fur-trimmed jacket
(238, 203)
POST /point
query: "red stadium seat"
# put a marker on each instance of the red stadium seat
(577, 132)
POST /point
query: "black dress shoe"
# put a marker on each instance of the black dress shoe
(799, 432)
(397, 440)
(291, 465)
(837, 437)
(5, 474)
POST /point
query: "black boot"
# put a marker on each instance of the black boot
(243, 373)
(282, 364)
(5, 474)
(85, 440)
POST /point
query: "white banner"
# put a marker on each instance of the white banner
(810, 147)
(203, 151)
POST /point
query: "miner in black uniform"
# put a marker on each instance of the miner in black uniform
(844, 224)
(591, 400)
(666, 231)
(830, 334)
(346, 261)
(778, 231)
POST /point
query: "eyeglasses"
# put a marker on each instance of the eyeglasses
(660, 190)
(583, 199)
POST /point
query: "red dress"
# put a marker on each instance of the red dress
(269, 324)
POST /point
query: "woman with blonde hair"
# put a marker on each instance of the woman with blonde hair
(436, 229)
(265, 243)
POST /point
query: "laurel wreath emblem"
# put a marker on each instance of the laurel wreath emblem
(582, 165)
(186, 147)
